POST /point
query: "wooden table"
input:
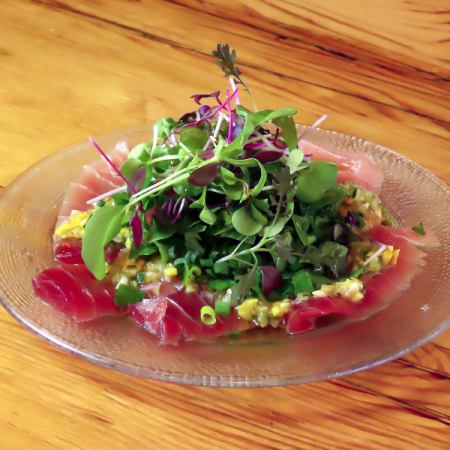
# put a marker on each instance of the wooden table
(379, 69)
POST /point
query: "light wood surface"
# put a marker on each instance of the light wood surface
(379, 69)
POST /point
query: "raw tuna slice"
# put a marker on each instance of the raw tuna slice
(95, 179)
(68, 251)
(380, 289)
(73, 290)
(354, 168)
(302, 317)
(429, 240)
(176, 315)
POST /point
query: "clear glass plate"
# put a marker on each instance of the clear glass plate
(28, 209)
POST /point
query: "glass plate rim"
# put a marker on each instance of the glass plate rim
(217, 380)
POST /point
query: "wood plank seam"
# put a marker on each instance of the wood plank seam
(421, 410)
(430, 75)
(146, 35)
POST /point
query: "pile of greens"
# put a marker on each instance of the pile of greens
(225, 195)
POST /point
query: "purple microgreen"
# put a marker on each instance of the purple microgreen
(198, 97)
(112, 165)
(268, 156)
(338, 229)
(271, 279)
(230, 120)
(187, 116)
(204, 109)
(236, 130)
(202, 119)
(255, 145)
(204, 175)
(136, 226)
(138, 178)
(208, 154)
(278, 144)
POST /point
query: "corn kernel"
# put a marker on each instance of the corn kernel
(395, 257)
(247, 308)
(170, 272)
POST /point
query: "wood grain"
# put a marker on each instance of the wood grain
(73, 68)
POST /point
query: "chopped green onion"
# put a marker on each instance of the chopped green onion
(222, 308)
(208, 315)
(220, 285)
(357, 273)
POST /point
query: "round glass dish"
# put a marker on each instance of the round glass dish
(28, 209)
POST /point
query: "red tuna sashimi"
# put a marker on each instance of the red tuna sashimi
(177, 315)
(68, 251)
(354, 168)
(95, 179)
(302, 317)
(428, 240)
(73, 290)
(380, 289)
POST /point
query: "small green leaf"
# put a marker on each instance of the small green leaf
(276, 227)
(126, 295)
(419, 229)
(130, 166)
(140, 152)
(302, 282)
(193, 138)
(245, 284)
(244, 223)
(257, 215)
(165, 126)
(235, 192)
(294, 160)
(256, 190)
(208, 216)
(288, 130)
(228, 176)
(100, 229)
(261, 204)
(200, 203)
(315, 180)
(302, 224)
(158, 232)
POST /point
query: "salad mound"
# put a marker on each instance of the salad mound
(227, 220)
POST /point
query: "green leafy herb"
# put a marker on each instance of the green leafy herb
(100, 229)
(315, 180)
(126, 295)
(419, 229)
(302, 282)
(244, 222)
(288, 130)
(193, 138)
(294, 160)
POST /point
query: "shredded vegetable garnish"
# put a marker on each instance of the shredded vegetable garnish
(227, 206)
